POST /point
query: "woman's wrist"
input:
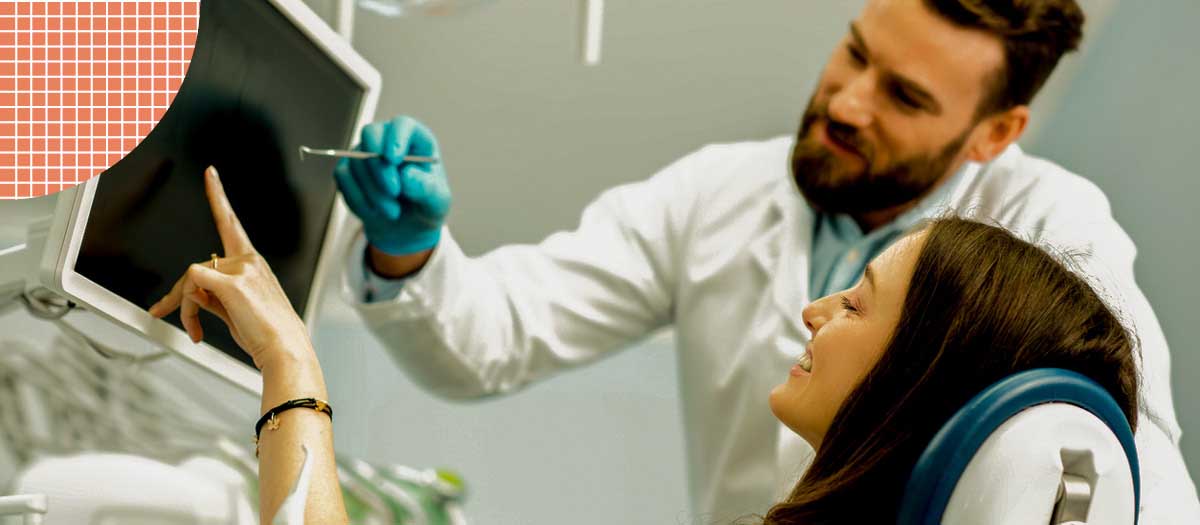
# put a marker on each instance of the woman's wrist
(280, 353)
(291, 374)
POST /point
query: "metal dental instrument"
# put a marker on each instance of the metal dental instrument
(305, 150)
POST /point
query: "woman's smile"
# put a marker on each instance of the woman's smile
(803, 364)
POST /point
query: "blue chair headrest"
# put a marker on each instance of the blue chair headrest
(942, 464)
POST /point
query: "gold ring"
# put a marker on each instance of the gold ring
(214, 261)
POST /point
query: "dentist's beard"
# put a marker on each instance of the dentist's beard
(828, 186)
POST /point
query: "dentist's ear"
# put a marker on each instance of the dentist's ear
(996, 132)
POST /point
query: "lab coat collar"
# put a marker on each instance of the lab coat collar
(782, 250)
(783, 246)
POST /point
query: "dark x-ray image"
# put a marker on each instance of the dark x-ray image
(256, 89)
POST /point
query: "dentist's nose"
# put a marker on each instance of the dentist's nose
(851, 105)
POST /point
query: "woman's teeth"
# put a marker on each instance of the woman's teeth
(805, 361)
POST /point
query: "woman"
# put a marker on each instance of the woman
(939, 316)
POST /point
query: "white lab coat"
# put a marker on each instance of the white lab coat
(717, 245)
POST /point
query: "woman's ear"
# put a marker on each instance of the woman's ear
(995, 133)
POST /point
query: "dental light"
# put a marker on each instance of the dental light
(593, 17)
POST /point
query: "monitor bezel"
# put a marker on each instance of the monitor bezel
(67, 229)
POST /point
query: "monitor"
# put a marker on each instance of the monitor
(265, 78)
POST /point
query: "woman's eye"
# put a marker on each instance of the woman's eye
(848, 306)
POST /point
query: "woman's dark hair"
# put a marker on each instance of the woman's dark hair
(981, 305)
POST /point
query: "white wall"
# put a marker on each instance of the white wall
(1130, 122)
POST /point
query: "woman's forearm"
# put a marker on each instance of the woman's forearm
(243, 292)
(297, 374)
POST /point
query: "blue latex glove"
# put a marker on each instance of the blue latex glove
(402, 204)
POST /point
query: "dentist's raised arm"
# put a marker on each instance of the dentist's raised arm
(472, 326)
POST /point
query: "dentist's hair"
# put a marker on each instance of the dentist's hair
(1035, 34)
(982, 305)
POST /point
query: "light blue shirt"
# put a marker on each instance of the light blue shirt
(841, 252)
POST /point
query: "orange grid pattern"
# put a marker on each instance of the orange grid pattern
(82, 83)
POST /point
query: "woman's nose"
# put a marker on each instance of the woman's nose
(815, 315)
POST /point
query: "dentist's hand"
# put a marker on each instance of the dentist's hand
(402, 204)
(242, 290)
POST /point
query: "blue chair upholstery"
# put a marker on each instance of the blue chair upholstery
(940, 467)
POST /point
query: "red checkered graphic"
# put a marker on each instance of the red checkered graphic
(82, 83)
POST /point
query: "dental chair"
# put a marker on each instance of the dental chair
(1046, 446)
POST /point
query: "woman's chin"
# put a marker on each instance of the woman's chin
(788, 403)
(785, 403)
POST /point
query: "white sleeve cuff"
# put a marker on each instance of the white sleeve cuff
(376, 288)
(362, 284)
(362, 287)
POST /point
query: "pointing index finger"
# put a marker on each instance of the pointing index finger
(233, 237)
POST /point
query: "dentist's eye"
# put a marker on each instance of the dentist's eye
(856, 55)
(905, 99)
(848, 306)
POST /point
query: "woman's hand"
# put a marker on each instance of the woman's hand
(241, 290)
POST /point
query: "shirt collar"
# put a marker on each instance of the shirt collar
(844, 227)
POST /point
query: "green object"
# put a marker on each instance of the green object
(438, 492)
(456, 482)
(356, 509)
(412, 496)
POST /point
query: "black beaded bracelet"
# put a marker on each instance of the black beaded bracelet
(272, 415)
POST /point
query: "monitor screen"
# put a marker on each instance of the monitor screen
(257, 88)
